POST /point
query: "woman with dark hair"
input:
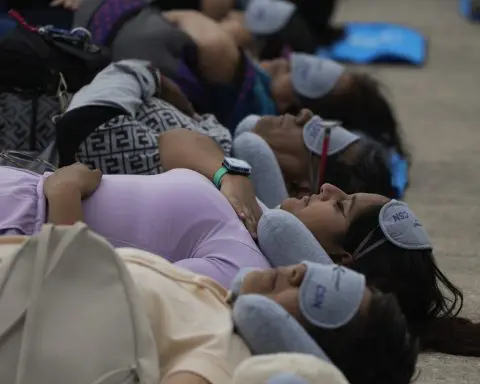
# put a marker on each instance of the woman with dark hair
(380, 237)
(288, 151)
(429, 300)
(219, 78)
(113, 124)
(372, 234)
(191, 318)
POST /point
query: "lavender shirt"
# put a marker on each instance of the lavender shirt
(179, 215)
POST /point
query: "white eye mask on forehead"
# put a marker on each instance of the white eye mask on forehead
(264, 17)
(312, 76)
(330, 295)
(314, 134)
(400, 226)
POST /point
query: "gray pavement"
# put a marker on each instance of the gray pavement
(439, 107)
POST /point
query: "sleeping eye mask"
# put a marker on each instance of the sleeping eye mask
(329, 297)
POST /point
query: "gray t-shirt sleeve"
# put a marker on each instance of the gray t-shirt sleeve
(126, 84)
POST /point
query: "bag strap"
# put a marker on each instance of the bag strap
(38, 278)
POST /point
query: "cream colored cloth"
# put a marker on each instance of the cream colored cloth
(308, 369)
(189, 316)
(190, 319)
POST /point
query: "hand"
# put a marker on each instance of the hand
(68, 4)
(171, 93)
(76, 177)
(240, 193)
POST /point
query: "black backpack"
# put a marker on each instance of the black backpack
(40, 67)
(43, 59)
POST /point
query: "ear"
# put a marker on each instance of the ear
(342, 258)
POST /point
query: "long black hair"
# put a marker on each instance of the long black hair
(429, 300)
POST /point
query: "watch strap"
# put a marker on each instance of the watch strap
(218, 176)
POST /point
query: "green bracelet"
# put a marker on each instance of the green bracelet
(218, 176)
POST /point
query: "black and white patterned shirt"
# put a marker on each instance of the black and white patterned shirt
(116, 122)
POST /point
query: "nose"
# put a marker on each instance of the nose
(298, 273)
(329, 192)
(303, 116)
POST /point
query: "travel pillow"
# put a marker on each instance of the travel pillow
(285, 240)
(267, 328)
(266, 175)
(263, 324)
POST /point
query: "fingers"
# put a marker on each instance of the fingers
(250, 217)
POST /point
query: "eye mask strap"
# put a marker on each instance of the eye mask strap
(358, 253)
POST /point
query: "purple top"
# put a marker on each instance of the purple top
(179, 215)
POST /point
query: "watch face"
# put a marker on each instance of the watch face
(237, 166)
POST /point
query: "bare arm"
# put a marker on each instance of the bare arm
(218, 54)
(64, 206)
(181, 148)
(187, 149)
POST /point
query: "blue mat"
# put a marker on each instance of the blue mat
(379, 43)
(467, 10)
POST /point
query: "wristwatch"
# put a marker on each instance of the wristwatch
(231, 166)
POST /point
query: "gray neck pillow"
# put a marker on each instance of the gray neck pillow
(285, 240)
(263, 324)
(267, 328)
(266, 175)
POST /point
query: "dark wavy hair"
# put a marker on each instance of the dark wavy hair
(369, 172)
(364, 107)
(375, 347)
(429, 300)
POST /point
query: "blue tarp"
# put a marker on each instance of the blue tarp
(379, 42)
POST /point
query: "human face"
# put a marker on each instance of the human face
(284, 136)
(328, 215)
(281, 87)
(282, 285)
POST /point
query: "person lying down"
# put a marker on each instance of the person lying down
(113, 124)
(192, 323)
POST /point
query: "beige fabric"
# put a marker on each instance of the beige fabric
(70, 312)
(259, 369)
(189, 317)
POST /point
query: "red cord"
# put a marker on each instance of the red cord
(323, 160)
(21, 20)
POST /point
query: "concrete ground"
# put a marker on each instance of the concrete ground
(439, 107)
